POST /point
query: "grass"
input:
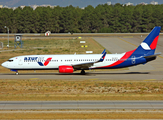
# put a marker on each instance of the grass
(56, 46)
(38, 90)
(81, 115)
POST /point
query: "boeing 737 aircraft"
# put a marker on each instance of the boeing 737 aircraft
(70, 63)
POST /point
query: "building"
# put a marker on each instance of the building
(5, 6)
(109, 3)
(34, 6)
(14, 8)
(47, 6)
(154, 3)
(22, 6)
(1, 6)
(143, 3)
(127, 4)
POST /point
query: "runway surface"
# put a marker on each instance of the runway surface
(101, 75)
(79, 105)
(150, 71)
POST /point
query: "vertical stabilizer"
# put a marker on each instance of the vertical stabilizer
(148, 46)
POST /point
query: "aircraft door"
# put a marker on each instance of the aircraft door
(20, 61)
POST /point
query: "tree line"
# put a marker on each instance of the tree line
(105, 18)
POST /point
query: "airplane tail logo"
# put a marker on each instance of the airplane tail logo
(148, 46)
(45, 63)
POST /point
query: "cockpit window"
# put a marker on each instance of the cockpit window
(10, 60)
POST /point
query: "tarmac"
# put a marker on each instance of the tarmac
(81, 105)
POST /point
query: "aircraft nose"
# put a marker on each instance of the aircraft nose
(4, 64)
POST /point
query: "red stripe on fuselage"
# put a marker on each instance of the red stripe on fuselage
(154, 43)
(126, 56)
(47, 61)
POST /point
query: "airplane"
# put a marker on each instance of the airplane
(144, 53)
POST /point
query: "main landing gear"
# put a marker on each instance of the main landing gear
(16, 73)
(82, 72)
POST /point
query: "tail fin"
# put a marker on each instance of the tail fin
(148, 46)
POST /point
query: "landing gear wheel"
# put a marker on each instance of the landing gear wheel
(83, 72)
(17, 73)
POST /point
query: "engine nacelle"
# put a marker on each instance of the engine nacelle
(66, 69)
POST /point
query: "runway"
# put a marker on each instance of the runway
(80, 105)
(90, 75)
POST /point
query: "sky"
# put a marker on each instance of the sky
(63, 3)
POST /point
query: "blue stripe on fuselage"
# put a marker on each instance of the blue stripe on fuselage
(131, 62)
(40, 63)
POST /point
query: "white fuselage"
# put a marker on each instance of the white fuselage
(30, 62)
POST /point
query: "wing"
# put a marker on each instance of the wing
(89, 64)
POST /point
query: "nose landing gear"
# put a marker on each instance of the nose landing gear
(16, 72)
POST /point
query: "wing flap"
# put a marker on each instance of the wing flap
(83, 65)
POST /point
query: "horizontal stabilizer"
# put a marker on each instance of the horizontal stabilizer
(151, 56)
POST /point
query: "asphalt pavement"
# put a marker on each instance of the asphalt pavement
(80, 105)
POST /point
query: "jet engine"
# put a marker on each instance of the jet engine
(66, 69)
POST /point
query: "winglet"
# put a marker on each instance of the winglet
(102, 57)
(103, 51)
